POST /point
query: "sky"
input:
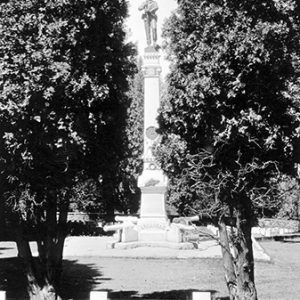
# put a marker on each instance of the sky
(136, 29)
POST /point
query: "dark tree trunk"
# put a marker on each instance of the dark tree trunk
(108, 196)
(2, 218)
(228, 261)
(41, 286)
(295, 208)
(237, 251)
(44, 273)
(244, 261)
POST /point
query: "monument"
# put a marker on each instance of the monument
(153, 228)
(150, 19)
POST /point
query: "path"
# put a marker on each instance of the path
(97, 246)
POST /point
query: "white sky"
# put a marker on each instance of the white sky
(135, 25)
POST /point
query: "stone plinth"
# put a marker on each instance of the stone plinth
(152, 229)
(153, 185)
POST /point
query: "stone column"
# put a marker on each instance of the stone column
(153, 183)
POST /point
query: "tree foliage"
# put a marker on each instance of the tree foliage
(230, 120)
(63, 75)
(132, 164)
(288, 188)
(87, 194)
(86, 197)
(231, 89)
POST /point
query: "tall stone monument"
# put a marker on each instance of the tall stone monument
(153, 227)
(153, 183)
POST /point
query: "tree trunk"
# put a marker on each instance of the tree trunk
(44, 273)
(108, 196)
(2, 219)
(244, 261)
(46, 292)
(228, 261)
(39, 285)
(237, 252)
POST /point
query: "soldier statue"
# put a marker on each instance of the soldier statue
(150, 19)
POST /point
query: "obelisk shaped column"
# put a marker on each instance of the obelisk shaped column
(152, 182)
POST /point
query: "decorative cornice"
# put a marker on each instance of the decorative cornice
(151, 71)
(153, 190)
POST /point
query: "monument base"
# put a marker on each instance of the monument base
(152, 229)
(149, 232)
(155, 244)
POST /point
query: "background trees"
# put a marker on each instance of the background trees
(64, 69)
(88, 194)
(231, 118)
(132, 164)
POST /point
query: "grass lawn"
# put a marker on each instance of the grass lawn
(165, 278)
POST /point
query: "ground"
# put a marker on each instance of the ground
(167, 278)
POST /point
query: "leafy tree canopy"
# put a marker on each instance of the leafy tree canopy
(64, 69)
(63, 72)
(232, 97)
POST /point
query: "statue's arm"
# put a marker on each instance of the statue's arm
(154, 7)
(142, 6)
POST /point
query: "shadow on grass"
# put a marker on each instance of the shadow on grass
(165, 295)
(77, 279)
(12, 277)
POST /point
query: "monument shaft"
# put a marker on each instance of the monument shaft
(152, 182)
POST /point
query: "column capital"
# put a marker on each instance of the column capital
(151, 70)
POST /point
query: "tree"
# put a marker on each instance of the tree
(120, 159)
(288, 187)
(88, 193)
(131, 166)
(64, 69)
(230, 120)
(86, 196)
(2, 220)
